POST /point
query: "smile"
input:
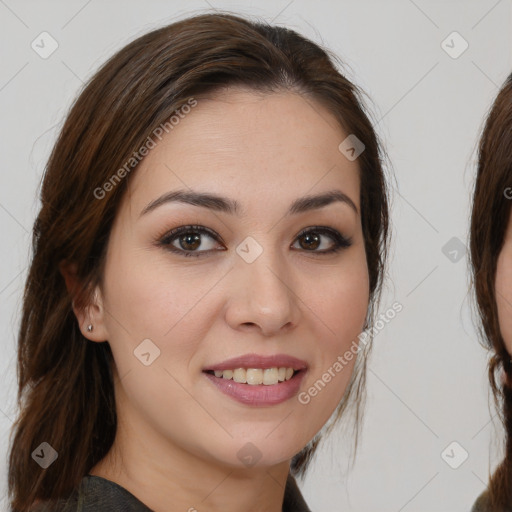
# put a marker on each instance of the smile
(258, 380)
(256, 376)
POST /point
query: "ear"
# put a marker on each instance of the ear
(93, 313)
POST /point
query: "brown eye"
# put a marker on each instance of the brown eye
(310, 240)
(190, 242)
(186, 240)
(193, 240)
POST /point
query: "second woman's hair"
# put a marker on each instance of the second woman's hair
(492, 200)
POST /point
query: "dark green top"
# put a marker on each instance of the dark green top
(97, 494)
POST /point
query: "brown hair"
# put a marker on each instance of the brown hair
(66, 393)
(489, 220)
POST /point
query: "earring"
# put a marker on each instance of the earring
(89, 328)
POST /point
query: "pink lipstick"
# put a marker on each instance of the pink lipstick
(258, 380)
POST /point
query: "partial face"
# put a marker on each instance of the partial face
(283, 290)
(504, 288)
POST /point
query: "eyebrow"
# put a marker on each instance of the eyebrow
(233, 207)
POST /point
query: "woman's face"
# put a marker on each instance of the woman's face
(503, 287)
(241, 284)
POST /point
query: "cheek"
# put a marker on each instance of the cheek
(504, 294)
(340, 309)
(146, 296)
(339, 305)
(343, 302)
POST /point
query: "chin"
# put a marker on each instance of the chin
(255, 453)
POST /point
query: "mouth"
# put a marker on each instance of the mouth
(258, 380)
(256, 376)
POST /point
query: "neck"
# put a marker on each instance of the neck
(193, 486)
(169, 478)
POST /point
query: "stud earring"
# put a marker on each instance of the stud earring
(89, 328)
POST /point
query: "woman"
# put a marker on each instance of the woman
(211, 240)
(491, 261)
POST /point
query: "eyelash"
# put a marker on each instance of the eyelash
(340, 242)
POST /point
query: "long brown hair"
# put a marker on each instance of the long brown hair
(66, 392)
(489, 220)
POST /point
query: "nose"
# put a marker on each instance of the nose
(262, 296)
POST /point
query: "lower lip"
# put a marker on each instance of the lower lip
(259, 395)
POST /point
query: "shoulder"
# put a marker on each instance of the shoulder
(482, 503)
(95, 494)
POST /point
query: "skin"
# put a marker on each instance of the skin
(178, 436)
(503, 286)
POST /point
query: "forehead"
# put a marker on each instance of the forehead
(249, 145)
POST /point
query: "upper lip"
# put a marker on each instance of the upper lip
(257, 361)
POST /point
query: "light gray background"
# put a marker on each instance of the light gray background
(427, 377)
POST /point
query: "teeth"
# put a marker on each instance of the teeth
(255, 376)
(239, 375)
(270, 376)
